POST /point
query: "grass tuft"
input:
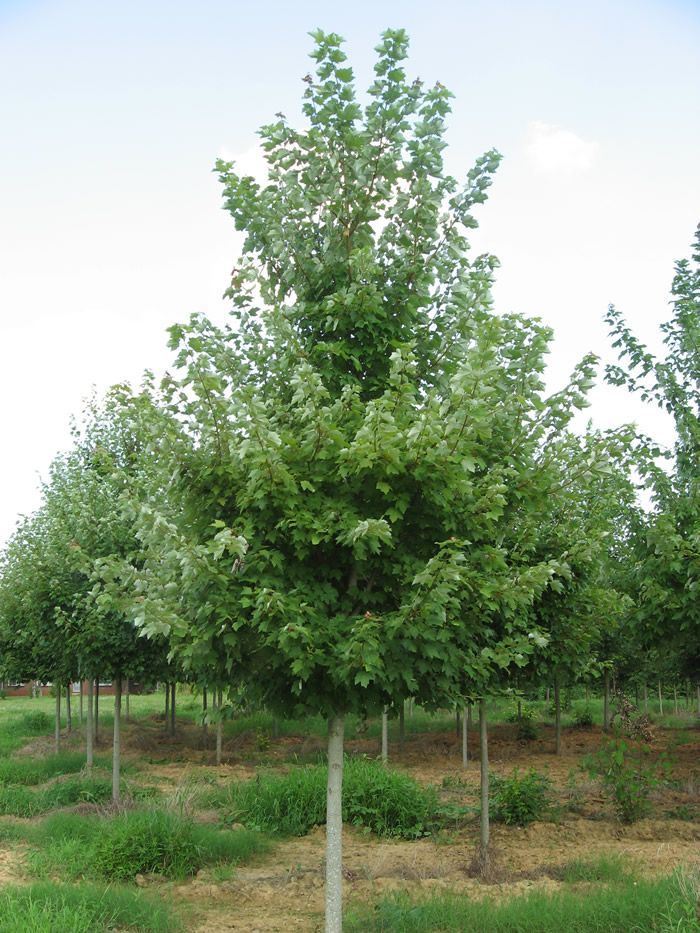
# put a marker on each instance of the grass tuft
(52, 908)
(661, 906)
(384, 801)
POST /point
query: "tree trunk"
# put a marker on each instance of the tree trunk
(661, 701)
(385, 736)
(69, 720)
(464, 739)
(167, 707)
(81, 702)
(116, 747)
(484, 746)
(126, 698)
(410, 706)
(172, 710)
(219, 728)
(557, 718)
(334, 825)
(646, 699)
(546, 697)
(402, 724)
(470, 724)
(606, 701)
(57, 728)
(205, 724)
(90, 727)
(95, 722)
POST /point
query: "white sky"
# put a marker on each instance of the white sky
(111, 117)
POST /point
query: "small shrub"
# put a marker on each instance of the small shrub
(626, 779)
(526, 731)
(521, 800)
(583, 718)
(526, 714)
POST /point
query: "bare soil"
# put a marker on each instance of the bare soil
(284, 890)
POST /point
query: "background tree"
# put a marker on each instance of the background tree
(667, 568)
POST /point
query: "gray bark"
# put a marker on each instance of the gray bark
(205, 724)
(484, 746)
(464, 739)
(69, 719)
(219, 728)
(95, 722)
(89, 730)
(606, 701)
(334, 825)
(116, 748)
(661, 701)
(57, 728)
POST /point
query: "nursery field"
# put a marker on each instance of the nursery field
(601, 837)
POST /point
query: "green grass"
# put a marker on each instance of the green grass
(148, 841)
(604, 868)
(52, 908)
(384, 801)
(633, 906)
(29, 771)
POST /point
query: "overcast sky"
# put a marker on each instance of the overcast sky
(112, 115)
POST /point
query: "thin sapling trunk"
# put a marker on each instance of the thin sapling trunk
(89, 731)
(205, 724)
(464, 739)
(57, 728)
(69, 719)
(334, 825)
(219, 727)
(484, 808)
(117, 738)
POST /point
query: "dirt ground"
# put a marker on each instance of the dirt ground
(284, 890)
